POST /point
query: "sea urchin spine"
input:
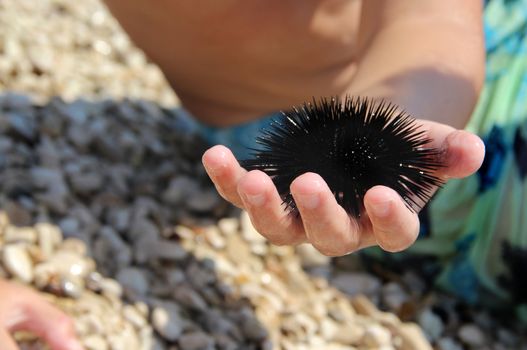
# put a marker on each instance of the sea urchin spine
(353, 145)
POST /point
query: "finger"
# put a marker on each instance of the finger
(7, 342)
(461, 152)
(327, 225)
(225, 171)
(394, 225)
(47, 322)
(264, 206)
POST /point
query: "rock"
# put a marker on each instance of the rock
(471, 335)
(229, 226)
(448, 344)
(196, 341)
(110, 288)
(142, 227)
(310, 257)
(237, 250)
(355, 283)
(18, 215)
(201, 275)
(253, 329)
(349, 334)
(17, 261)
(394, 296)
(13, 234)
(70, 227)
(49, 237)
(119, 218)
(204, 201)
(72, 286)
(4, 222)
(73, 246)
(85, 183)
(21, 125)
(215, 238)
(69, 263)
(110, 243)
(134, 279)
(328, 329)
(507, 338)
(134, 316)
(376, 336)
(95, 342)
(363, 306)
(49, 179)
(188, 297)
(179, 188)
(431, 323)
(167, 321)
(164, 250)
(412, 338)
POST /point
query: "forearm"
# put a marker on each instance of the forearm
(426, 56)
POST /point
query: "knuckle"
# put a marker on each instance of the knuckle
(333, 250)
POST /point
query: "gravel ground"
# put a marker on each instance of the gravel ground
(106, 211)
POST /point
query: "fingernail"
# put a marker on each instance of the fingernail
(381, 209)
(309, 201)
(256, 200)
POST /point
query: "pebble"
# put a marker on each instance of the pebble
(310, 257)
(70, 263)
(135, 317)
(95, 342)
(111, 288)
(411, 337)
(471, 335)
(394, 296)
(167, 321)
(72, 286)
(49, 237)
(376, 336)
(133, 279)
(253, 329)
(229, 226)
(206, 200)
(17, 261)
(431, 323)
(15, 234)
(196, 341)
(355, 283)
(447, 343)
(163, 249)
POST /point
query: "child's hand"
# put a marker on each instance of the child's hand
(325, 224)
(23, 309)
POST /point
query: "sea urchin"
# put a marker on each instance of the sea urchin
(353, 145)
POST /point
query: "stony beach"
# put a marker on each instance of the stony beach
(105, 209)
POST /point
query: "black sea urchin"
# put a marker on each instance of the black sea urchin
(354, 145)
